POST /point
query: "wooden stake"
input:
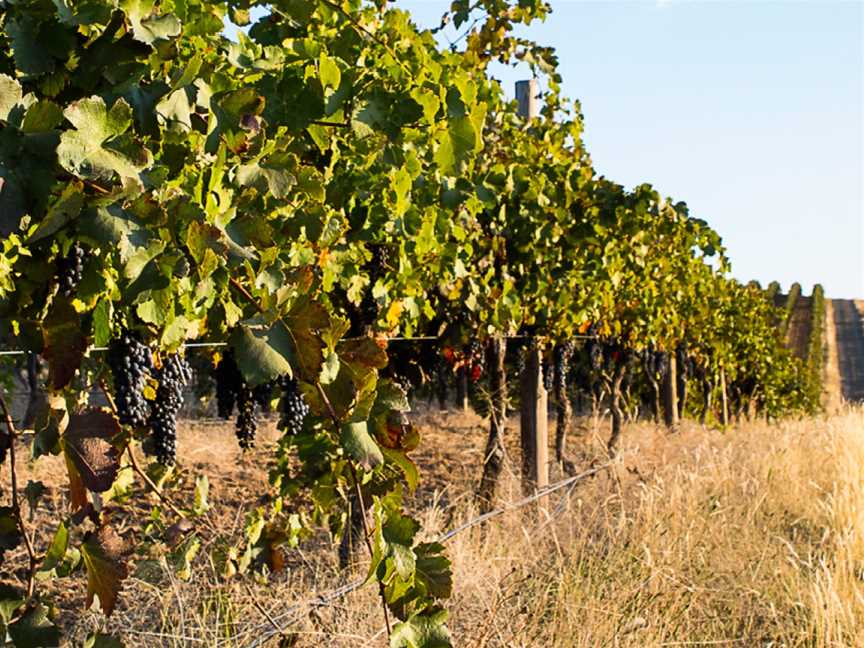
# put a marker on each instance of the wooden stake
(725, 414)
(534, 424)
(670, 394)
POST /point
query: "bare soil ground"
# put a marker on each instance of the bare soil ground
(849, 332)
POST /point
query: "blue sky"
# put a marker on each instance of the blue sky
(751, 112)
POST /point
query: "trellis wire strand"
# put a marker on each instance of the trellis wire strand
(208, 345)
(321, 600)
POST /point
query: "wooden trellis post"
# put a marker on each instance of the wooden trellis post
(725, 413)
(670, 394)
(534, 424)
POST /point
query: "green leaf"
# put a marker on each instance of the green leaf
(102, 323)
(424, 629)
(95, 149)
(27, 35)
(360, 445)
(330, 369)
(263, 352)
(329, 72)
(430, 103)
(51, 420)
(455, 143)
(35, 630)
(275, 179)
(11, 599)
(434, 572)
(181, 558)
(33, 492)
(408, 467)
(44, 115)
(149, 26)
(104, 559)
(63, 210)
(175, 111)
(57, 551)
(202, 489)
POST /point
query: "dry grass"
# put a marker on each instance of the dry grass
(752, 537)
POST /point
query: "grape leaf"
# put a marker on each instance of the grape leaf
(95, 150)
(65, 343)
(11, 598)
(104, 558)
(433, 570)
(360, 445)
(149, 26)
(100, 640)
(57, 551)
(86, 444)
(35, 630)
(424, 629)
(67, 207)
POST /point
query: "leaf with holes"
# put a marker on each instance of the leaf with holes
(88, 449)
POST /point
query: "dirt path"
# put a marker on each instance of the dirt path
(849, 331)
(832, 388)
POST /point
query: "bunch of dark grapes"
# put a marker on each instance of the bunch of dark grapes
(563, 354)
(548, 376)
(70, 269)
(522, 361)
(595, 355)
(232, 391)
(174, 375)
(263, 395)
(403, 383)
(376, 268)
(380, 260)
(229, 380)
(292, 407)
(130, 362)
(247, 423)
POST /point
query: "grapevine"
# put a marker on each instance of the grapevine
(274, 195)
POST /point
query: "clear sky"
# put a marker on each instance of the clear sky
(751, 112)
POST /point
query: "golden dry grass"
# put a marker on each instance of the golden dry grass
(749, 537)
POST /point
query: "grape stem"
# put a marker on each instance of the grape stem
(361, 503)
(135, 465)
(16, 504)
